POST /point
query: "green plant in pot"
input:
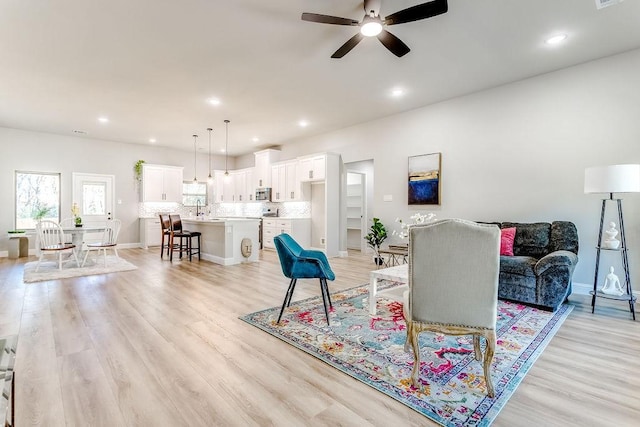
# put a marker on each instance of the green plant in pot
(137, 169)
(377, 234)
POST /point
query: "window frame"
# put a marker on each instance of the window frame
(15, 192)
(185, 194)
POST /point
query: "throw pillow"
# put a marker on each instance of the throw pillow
(507, 236)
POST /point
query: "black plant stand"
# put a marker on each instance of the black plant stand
(629, 297)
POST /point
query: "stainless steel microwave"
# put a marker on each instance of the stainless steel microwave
(263, 194)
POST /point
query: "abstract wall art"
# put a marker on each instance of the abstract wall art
(424, 179)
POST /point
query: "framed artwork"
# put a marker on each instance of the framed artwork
(424, 179)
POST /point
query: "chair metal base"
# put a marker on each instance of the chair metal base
(326, 297)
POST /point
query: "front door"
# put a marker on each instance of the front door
(93, 194)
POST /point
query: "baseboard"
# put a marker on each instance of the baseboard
(580, 288)
(128, 245)
(343, 254)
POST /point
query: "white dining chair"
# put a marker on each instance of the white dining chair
(51, 241)
(109, 241)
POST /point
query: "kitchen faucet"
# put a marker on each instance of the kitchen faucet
(198, 208)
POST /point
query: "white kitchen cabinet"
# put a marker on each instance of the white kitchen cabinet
(218, 187)
(243, 190)
(285, 182)
(262, 171)
(150, 232)
(312, 168)
(298, 228)
(161, 183)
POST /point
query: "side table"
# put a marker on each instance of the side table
(8, 347)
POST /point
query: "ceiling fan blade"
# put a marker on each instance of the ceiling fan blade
(372, 6)
(350, 44)
(418, 12)
(326, 19)
(394, 44)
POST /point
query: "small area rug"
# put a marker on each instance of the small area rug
(370, 349)
(49, 269)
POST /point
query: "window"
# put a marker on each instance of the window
(192, 192)
(37, 197)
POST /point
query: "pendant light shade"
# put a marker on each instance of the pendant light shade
(209, 178)
(195, 175)
(226, 147)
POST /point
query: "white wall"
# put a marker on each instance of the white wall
(43, 152)
(516, 152)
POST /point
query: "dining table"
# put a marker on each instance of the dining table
(78, 233)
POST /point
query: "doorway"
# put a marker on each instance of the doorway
(93, 194)
(356, 211)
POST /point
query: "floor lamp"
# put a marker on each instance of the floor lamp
(613, 179)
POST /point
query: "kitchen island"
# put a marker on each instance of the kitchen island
(221, 239)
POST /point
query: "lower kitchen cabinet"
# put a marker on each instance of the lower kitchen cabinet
(298, 228)
(150, 232)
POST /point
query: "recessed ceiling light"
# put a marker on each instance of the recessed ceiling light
(152, 140)
(559, 38)
(214, 101)
(222, 150)
(103, 119)
(303, 123)
(255, 139)
(397, 92)
(80, 132)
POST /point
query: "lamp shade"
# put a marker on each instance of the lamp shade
(612, 179)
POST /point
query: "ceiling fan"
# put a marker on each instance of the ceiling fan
(372, 25)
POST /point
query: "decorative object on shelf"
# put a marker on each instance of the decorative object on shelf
(137, 169)
(610, 242)
(377, 234)
(424, 179)
(417, 218)
(195, 160)
(210, 177)
(226, 147)
(611, 284)
(613, 179)
(75, 210)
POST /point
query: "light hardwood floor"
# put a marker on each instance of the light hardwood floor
(163, 346)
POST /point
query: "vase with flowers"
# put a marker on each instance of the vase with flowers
(75, 210)
(416, 218)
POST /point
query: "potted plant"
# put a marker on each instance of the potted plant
(137, 169)
(75, 210)
(377, 234)
(40, 212)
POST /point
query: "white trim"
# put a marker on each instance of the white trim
(580, 288)
(343, 254)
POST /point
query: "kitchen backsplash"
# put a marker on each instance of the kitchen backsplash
(288, 209)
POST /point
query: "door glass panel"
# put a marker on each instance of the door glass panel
(94, 198)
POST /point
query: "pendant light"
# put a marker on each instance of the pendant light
(210, 178)
(195, 175)
(226, 147)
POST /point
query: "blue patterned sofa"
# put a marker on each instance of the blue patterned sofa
(541, 269)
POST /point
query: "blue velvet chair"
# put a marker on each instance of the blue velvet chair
(298, 263)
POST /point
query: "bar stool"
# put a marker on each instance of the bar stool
(177, 231)
(165, 225)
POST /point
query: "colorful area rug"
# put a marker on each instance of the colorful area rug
(371, 349)
(49, 269)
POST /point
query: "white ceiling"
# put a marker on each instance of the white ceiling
(151, 65)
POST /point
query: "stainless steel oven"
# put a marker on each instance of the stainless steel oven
(263, 194)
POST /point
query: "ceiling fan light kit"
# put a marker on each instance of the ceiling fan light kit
(372, 25)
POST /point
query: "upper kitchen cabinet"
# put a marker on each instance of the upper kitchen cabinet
(285, 183)
(312, 168)
(262, 170)
(161, 183)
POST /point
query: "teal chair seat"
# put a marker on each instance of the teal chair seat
(298, 263)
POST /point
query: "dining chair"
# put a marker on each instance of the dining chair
(51, 241)
(453, 287)
(109, 241)
(298, 263)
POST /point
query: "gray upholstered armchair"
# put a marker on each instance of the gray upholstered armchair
(453, 286)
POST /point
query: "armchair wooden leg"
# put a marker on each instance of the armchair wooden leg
(476, 347)
(287, 297)
(490, 337)
(412, 335)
